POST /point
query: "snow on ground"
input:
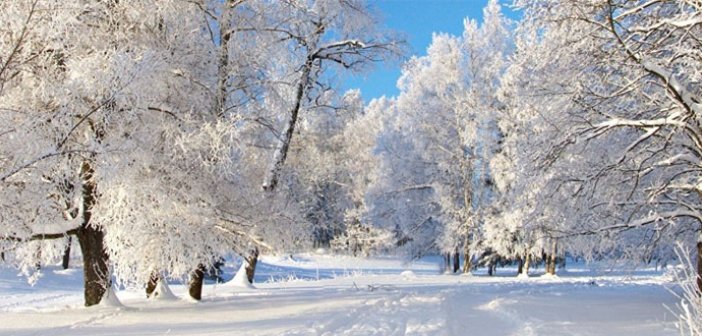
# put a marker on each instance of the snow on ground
(324, 295)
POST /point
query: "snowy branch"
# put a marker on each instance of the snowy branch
(41, 236)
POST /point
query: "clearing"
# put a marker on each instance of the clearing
(313, 294)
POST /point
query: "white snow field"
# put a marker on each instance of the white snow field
(324, 295)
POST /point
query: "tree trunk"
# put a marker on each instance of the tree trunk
(38, 264)
(456, 261)
(520, 265)
(195, 285)
(95, 269)
(67, 254)
(491, 269)
(467, 262)
(281, 151)
(699, 266)
(225, 33)
(251, 262)
(151, 285)
(527, 262)
(551, 259)
(96, 275)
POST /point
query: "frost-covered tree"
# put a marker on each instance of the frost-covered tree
(127, 124)
(324, 36)
(112, 133)
(331, 160)
(311, 42)
(400, 197)
(615, 131)
(447, 110)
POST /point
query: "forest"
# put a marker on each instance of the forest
(156, 139)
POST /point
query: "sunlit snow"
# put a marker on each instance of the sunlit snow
(331, 295)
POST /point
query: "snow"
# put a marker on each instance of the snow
(240, 280)
(110, 299)
(312, 294)
(163, 291)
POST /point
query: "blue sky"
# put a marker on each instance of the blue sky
(417, 19)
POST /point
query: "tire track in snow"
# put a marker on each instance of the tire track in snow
(399, 313)
(386, 311)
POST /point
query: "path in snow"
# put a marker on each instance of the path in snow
(374, 297)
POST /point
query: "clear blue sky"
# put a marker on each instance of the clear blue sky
(417, 19)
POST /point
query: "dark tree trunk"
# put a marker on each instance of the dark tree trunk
(551, 259)
(195, 285)
(67, 254)
(699, 267)
(520, 265)
(95, 269)
(38, 264)
(491, 269)
(467, 261)
(251, 262)
(91, 238)
(456, 261)
(281, 151)
(527, 262)
(151, 285)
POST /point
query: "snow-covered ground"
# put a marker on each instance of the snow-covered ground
(324, 295)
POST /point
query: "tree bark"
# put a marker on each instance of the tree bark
(467, 262)
(551, 259)
(520, 265)
(197, 277)
(96, 273)
(95, 269)
(151, 285)
(67, 254)
(251, 262)
(281, 151)
(699, 266)
(456, 261)
(527, 262)
(225, 33)
(38, 264)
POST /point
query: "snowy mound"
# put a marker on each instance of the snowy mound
(162, 291)
(240, 280)
(523, 276)
(110, 299)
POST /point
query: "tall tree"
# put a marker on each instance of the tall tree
(325, 35)
(448, 110)
(621, 119)
(95, 111)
